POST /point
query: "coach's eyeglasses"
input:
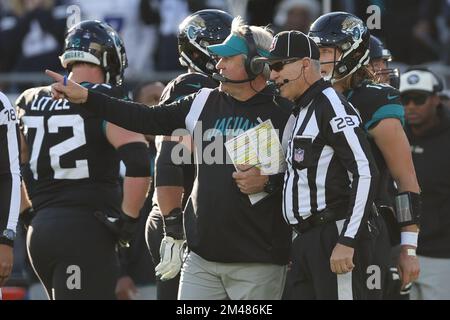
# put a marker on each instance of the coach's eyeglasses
(278, 66)
(417, 98)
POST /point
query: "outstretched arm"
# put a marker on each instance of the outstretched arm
(137, 117)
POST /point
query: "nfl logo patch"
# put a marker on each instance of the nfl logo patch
(299, 155)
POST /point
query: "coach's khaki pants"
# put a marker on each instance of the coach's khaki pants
(434, 280)
(206, 280)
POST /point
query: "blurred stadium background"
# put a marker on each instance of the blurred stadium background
(417, 32)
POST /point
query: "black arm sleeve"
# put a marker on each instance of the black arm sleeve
(167, 173)
(136, 157)
(137, 117)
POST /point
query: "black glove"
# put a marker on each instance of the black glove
(123, 227)
(25, 218)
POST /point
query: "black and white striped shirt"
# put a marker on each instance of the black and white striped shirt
(9, 166)
(329, 161)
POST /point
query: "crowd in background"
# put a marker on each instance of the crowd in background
(32, 31)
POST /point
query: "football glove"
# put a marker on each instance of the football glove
(171, 252)
(123, 227)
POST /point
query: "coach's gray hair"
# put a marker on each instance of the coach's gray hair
(262, 36)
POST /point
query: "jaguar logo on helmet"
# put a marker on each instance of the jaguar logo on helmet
(350, 22)
(353, 26)
(192, 32)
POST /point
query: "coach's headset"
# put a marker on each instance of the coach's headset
(254, 66)
(253, 63)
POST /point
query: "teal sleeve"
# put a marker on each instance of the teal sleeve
(104, 123)
(152, 166)
(395, 111)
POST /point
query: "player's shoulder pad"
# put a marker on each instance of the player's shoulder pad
(7, 112)
(379, 94)
(184, 85)
(106, 88)
(28, 95)
(5, 104)
(382, 101)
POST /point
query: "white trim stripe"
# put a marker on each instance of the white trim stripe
(287, 133)
(362, 163)
(196, 109)
(288, 203)
(289, 43)
(309, 45)
(14, 165)
(322, 170)
(344, 281)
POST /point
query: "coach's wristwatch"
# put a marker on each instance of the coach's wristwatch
(7, 237)
(271, 185)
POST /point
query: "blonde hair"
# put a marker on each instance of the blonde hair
(360, 75)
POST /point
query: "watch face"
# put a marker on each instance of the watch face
(9, 234)
(269, 188)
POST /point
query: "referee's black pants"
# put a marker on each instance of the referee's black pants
(310, 276)
(73, 254)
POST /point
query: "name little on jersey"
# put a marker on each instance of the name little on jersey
(48, 104)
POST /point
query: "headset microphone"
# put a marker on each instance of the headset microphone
(285, 81)
(221, 78)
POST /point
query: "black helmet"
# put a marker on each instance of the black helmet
(96, 42)
(348, 33)
(196, 32)
(378, 51)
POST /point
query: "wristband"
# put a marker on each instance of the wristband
(409, 238)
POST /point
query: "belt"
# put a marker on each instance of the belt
(320, 218)
(327, 216)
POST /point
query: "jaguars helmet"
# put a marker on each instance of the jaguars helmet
(96, 42)
(379, 51)
(196, 32)
(346, 32)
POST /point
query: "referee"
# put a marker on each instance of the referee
(330, 181)
(9, 185)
